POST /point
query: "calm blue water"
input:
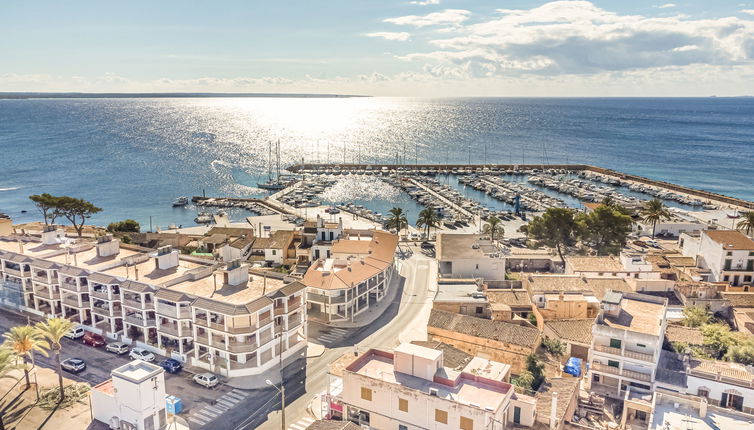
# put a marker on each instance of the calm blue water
(133, 156)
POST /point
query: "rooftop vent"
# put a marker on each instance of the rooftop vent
(433, 392)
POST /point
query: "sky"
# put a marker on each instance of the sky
(432, 48)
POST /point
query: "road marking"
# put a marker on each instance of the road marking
(214, 409)
(301, 424)
(212, 414)
(225, 403)
(231, 399)
(197, 420)
(201, 416)
(234, 396)
(239, 392)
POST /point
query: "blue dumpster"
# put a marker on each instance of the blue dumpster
(173, 404)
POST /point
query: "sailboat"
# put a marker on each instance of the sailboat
(273, 184)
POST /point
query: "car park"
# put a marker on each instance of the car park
(141, 354)
(76, 333)
(73, 365)
(93, 339)
(119, 348)
(207, 379)
(171, 365)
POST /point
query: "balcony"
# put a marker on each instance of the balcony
(294, 322)
(71, 286)
(294, 304)
(131, 303)
(319, 298)
(138, 321)
(43, 279)
(106, 312)
(603, 368)
(103, 295)
(19, 273)
(173, 311)
(625, 353)
(172, 330)
(74, 302)
(45, 293)
(280, 310)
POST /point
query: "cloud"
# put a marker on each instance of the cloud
(577, 37)
(390, 35)
(446, 17)
(747, 11)
(665, 6)
(425, 2)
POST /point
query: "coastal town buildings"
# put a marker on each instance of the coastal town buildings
(212, 315)
(627, 338)
(726, 255)
(469, 256)
(410, 388)
(356, 275)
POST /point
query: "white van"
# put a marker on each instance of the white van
(76, 333)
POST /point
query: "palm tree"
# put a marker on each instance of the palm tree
(427, 218)
(493, 227)
(397, 220)
(7, 362)
(654, 211)
(53, 330)
(747, 223)
(24, 341)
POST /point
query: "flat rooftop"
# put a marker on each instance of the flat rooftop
(137, 371)
(452, 246)
(90, 261)
(638, 316)
(459, 292)
(670, 417)
(150, 274)
(595, 264)
(466, 391)
(240, 294)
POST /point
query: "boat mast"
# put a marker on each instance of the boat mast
(278, 161)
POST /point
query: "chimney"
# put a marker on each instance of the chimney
(554, 411)
(166, 258)
(136, 273)
(107, 246)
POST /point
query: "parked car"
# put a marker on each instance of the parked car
(171, 365)
(427, 245)
(119, 348)
(653, 243)
(206, 379)
(93, 339)
(141, 354)
(76, 333)
(73, 365)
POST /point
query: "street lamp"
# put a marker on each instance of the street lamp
(281, 390)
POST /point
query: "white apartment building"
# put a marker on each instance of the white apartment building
(627, 339)
(216, 316)
(134, 398)
(411, 389)
(724, 384)
(469, 256)
(728, 255)
(355, 277)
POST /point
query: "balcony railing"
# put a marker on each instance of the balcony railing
(16, 272)
(71, 286)
(625, 353)
(136, 304)
(320, 298)
(149, 322)
(45, 293)
(172, 329)
(172, 311)
(280, 310)
(106, 312)
(625, 372)
(104, 295)
(70, 301)
(43, 279)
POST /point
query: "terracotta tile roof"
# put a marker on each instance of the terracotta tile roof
(173, 296)
(72, 271)
(731, 239)
(507, 298)
(138, 287)
(594, 264)
(452, 357)
(44, 264)
(638, 314)
(574, 330)
(600, 286)
(565, 387)
(575, 283)
(352, 247)
(231, 231)
(691, 336)
(101, 278)
(228, 309)
(215, 239)
(739, 300)
(728, 370)
(487, 329)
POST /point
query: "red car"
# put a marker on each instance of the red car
(93, 339)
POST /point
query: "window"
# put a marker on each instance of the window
(641, 345)
(726, 278)
(466, 423)
(441, 416)
(613, 363)
(751, 253)
(479, 310)
(366, 394)
(749, 265)
(729, 253)
(477, 267)
(703, 392)
(615, 343)
(402, 427)
(274, 252)
(726, 265)
(403, 405)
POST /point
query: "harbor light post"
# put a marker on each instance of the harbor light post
(281, 390)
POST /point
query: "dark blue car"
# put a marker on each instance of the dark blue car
(171, 365)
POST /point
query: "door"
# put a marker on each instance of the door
(516, 415)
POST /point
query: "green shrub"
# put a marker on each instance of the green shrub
(127, 225)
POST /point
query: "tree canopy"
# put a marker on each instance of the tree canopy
(695, 316)
(606, 229)
(493, 227)
(128, 225)
(397, 220)
(427, 219)
(555, 228)
(47, 204)
(747, 223)
(653, 212)
(75, 210)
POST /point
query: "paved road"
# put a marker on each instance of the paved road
(228, 408)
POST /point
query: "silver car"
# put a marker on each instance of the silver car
(207, 379)
(119, 348)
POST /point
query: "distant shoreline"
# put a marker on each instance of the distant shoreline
(42, 95)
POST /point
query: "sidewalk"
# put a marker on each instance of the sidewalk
(425, 273)
(253, 382)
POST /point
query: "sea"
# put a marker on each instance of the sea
(133, 156)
